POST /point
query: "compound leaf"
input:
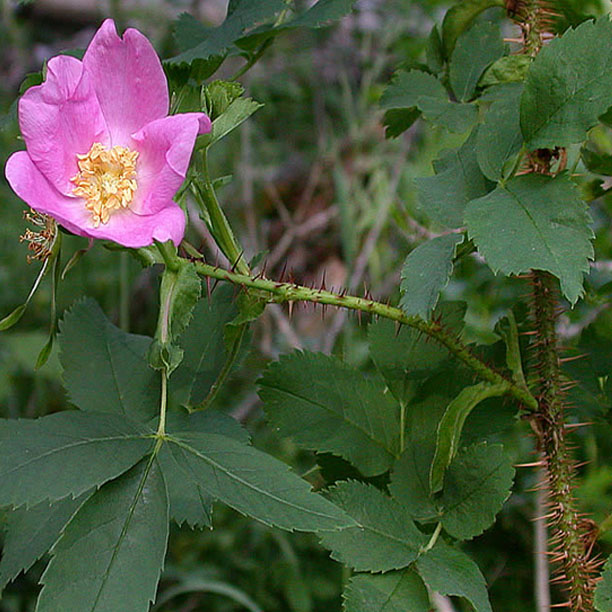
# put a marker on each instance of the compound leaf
(327, 406)
(66, 453)
(31, 532)
(252, 482)
(109, 372)
(535, 221)
(384, 536)
(476, 485)
(111, 553)
(426, 271)
(457, 181)
(401, 591)
(568, 86)
(451, 572)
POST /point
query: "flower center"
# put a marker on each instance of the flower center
(106, 180)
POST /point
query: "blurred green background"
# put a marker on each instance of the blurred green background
(317, 188)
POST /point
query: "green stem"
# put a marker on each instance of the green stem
(161, 429)
(216, 219)
(287, 292)
(434, 538)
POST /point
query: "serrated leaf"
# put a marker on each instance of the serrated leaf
(404, 356)
(460, 17)
(568, 86)
(237, 112)
(398, 120)
(253, 482)
(384, 536)
(476, 49)
(321, 13)
(603, 591)
(499, 137)
(451, 426)
(434, 51)
(420, 90)
(111, 554)
(401, 591)
(31, 532)
(200, 42)
(544, 225)
(457, 181)
(182, 289)
(327, 406)
(451, 572)
(476, 485)
(109, 372)
(188, 501)
(204, 350)
(66, 453)
(426, 272)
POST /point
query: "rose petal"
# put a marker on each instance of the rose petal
(131, 230)
(60, 119)
(32, 186)
(129, 80)
(165, 148)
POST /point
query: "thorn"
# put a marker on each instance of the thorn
(568, 359)
(359, 317)
(533, 464)
(208, 292)
(283, 272)
(577, 425)
(290, 304)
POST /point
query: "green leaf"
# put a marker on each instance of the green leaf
(568, 86)
(111, 554)
(327, 406)
(200, 42)
(420, 90)
(603, 591)
(476, 49)
(188, 501)
(476, 485)
(237, 112)
(507, 329)
(451, 572)
(65, 453)
(507, 69)
(398, 120)
(321, 13)
(384, 536)
(252, 482)
(426, 272)
(499, 137)
(434, 51)
(460, 17)
(404, 356)
(31, 532)
(204, 349)
(401, 591)
(410, 480)
(535, 221)
(12, 318)
(451, 426)
(182, 289)
(108, 372)
(598, 163)
(457, 181)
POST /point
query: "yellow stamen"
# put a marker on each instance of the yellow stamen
(106, 180)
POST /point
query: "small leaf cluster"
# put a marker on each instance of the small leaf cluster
(414, 490)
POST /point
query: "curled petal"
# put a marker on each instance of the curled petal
(60, 119)
(129, 80)
(32, 186)
(165, 148)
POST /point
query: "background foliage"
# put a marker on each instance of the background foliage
(318, 188)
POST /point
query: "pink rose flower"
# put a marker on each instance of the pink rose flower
(102, 155)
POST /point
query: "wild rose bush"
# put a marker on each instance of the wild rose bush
(422, 462)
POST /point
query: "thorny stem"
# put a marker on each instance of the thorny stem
(571, 534)
(288, 292)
